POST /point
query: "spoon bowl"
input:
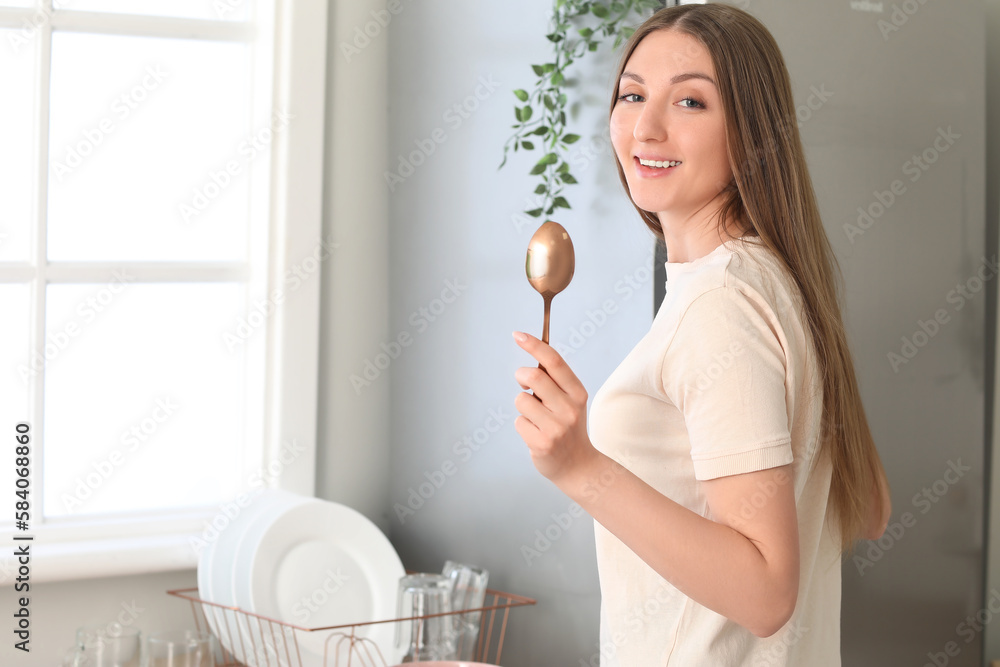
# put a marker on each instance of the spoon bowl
(549, 265)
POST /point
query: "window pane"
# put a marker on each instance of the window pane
(230, 10)
(140, 129)
(14, 387)
(17, 125)
(145, 403)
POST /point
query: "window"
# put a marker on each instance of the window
(160, 308)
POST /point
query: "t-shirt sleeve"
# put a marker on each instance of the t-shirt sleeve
(724, 369)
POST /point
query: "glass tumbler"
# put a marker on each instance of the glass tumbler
(423, 595)
(180, 648)
(468, 592)
(108, 645)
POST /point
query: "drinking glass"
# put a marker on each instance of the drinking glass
(468, 592)
(422, 595)
(108, 645)
(180, 648)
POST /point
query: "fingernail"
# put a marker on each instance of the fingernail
(519, 337)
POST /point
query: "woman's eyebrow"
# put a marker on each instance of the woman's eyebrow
(676, 79)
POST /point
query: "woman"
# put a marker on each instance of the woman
(729, 462)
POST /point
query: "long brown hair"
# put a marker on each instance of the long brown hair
(771, 194)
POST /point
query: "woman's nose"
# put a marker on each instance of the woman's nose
(650, 125)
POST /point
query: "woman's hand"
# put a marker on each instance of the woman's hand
(553, 422)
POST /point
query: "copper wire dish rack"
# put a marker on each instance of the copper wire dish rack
(274, 643)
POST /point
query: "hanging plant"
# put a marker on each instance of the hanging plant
(580, 26)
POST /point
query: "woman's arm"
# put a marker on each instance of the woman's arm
(743, 564)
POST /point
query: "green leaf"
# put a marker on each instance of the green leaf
(599, 10)
(550, 158)
(538, 69)
(540, 130)
(538, 169)
(586, 32)
(593, 46)
(562, 117)
(525, 114)
(627, 31)
(521, 95)
(535, 212)
(570, 138)
(528, 146)
(617, 7)
(562, 99)
(541, 189)
(549, 104)
(548, 67)
(557, 79)
(554, 37)
(560, 202)
(517, 114)
(563, 168)
(567, 178)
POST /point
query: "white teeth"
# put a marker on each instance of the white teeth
(658, 163)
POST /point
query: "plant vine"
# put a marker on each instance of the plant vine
(571, 41)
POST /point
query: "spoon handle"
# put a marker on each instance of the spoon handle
(545, 325)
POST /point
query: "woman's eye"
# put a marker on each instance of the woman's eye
(696, 104)
(625, 98)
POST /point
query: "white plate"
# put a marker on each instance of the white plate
(215, 570)
(322, 564)
(231, 584)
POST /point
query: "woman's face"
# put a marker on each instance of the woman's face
(668, 111)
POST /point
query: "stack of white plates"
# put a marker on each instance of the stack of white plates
(305, 562)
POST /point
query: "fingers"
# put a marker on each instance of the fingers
(532, 409)
(544, 387)
(555, 366)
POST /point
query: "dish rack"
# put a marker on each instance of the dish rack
(274, 643)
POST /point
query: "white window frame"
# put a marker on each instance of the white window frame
(123, 546)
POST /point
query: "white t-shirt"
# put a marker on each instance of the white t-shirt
(725, 382)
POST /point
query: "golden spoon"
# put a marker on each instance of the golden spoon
(550, 264)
